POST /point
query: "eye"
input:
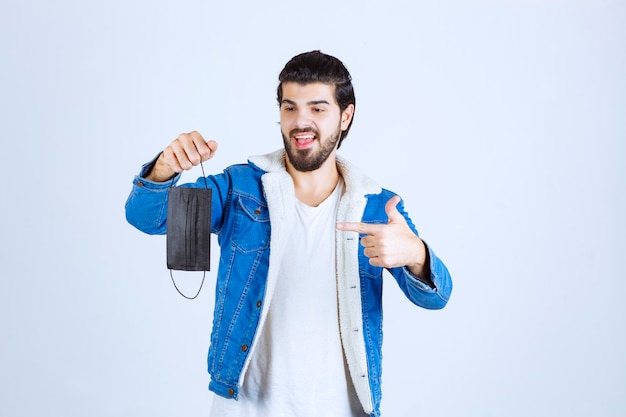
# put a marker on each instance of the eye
(318, 109)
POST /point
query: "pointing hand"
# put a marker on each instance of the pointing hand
(390, 245)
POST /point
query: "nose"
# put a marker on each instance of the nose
(302, 119)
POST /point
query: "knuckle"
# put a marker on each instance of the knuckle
(204, 152)
(194, 159)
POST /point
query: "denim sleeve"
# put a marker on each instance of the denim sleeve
(424, 294)
(146, 206)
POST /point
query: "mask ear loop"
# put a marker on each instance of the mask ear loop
(206, 186)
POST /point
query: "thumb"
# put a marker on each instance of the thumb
(212, 145)
(392, 211)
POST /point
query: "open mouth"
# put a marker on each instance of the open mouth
(304, 139)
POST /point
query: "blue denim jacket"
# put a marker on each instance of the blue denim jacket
(251, 216)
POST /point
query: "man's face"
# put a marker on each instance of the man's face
(311, 123)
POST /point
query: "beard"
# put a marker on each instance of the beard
(305, 160)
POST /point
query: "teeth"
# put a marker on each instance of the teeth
(305, 137)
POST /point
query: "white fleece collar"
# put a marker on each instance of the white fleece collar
(357, 184)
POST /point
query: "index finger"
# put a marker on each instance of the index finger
(360, 227)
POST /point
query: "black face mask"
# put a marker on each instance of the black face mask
(189, 231)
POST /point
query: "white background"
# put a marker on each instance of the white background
(501, 123)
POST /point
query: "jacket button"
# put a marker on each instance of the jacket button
(257, 211)
(258, 304)
(244, 348)
(231, 392)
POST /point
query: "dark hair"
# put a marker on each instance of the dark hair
(315, 66)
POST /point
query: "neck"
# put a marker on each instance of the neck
(313, 187)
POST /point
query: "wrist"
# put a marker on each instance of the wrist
(418, 265)
(159, 171)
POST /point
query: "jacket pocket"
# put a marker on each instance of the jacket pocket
(251, 229)
(368, 271)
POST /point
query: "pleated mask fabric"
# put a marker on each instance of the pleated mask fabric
(189, 229)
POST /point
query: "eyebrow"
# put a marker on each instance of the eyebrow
(310, 103)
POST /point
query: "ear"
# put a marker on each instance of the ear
(346, 116)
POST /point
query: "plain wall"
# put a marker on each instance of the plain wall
(501, 123)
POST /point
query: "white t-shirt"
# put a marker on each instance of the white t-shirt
(298, 367)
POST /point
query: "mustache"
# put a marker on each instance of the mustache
(304, 130)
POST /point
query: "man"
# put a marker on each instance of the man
(304, 240)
